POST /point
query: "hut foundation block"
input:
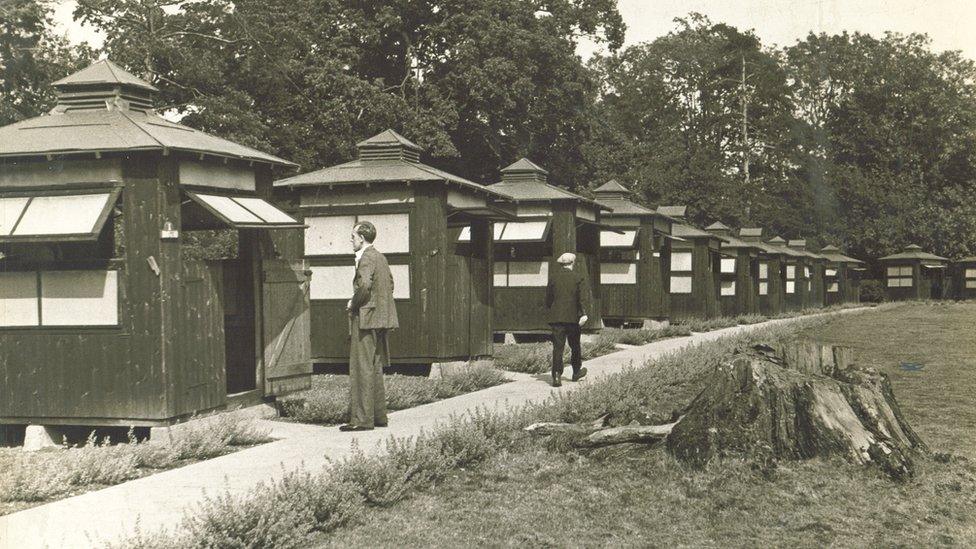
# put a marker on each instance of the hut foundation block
(41, 437)
(651, 324)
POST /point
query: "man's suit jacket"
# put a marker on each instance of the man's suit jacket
(372, 296)
(568, 295)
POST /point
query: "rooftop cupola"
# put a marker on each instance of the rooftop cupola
(719, 228)
(103, 86)
(751, 234)
(913, 248)
(830, 248)
(612, 189)
(778, 240)
(677, 212)
(798, 244)
(524, 170)
(386, 146)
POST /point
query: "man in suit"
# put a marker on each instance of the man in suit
(372, 314)
(568, 303)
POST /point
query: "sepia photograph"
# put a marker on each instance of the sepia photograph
(283, 274)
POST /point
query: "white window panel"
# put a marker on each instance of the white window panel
(790, 287)
(900, 271)
(501, 274)
(764, 270)
(971, 283)
(893, 271)
(791, 271)
(728, 287)
(225, 206)
(401, 281)
(610, 239)
(18, 299)
(333, 282)
(680, 261)
(528, 273)
(10, 210)
(71, 214)
(618, 273)
(392, 232)
(329, 235)
(831, 272)
(764, 288)
(498, 230)
(79, 298)
(680, 284)
(524, 230)
(465, 235)
(906, 271)
(833, 288)
(265, 211)
(806, 272)
(970, 273)
(728, 265)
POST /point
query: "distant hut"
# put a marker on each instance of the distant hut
(551, 221)
(914, 274)
(738, 272)
(842, 276)
(693, 269)
(770, 274)
(433, 227)
(815, 267)
(796, 282)
(632, 276)
(964, 278)
(117, 307)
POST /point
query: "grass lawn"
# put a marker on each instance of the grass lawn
(538, 494)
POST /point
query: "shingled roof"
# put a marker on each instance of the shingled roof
(833, 253)
(103, 108)
(913, 251)
(614, 195)
(385, 157)
(525, 181)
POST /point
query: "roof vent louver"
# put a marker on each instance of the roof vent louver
(388, 146)
(103, 86)
(524, 170)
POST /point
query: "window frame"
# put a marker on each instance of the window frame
(69, 328)
(114, 191)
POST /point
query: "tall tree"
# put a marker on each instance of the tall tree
(31, 57)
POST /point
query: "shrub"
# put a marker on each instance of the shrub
(872, 291)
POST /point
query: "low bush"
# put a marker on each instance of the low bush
(328, 401)
(872, 291)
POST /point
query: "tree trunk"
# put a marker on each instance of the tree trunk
(797, 402)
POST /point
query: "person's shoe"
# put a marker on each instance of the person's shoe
(557, 381)
(579, 375)
(351, 427)
(384, 424)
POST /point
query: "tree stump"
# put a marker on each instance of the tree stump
(796, 402)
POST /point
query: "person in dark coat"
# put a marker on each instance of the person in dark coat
(372, 314)
(569, 303)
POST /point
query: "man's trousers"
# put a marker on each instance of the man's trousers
(369, 352)
(562, 332)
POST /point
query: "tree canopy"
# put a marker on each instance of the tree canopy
(863, 141)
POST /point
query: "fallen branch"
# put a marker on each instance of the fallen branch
(645, 434)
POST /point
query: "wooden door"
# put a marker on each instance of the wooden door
(286, 322)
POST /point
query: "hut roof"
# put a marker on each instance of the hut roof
(385, 157)
(913, 251)
(834, 254)
(614, 196)
(681, 230)
(751, 232)
(970, 259)
(777, 243)
(673, 211)
(525, 181)
(103, 72)
(800, 246)
(95, 115)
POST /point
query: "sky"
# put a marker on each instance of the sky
(779, 22)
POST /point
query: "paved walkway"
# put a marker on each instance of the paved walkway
(160, 501)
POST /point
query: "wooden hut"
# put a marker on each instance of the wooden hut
(964, 278)
(842, 276)
(693, 269)
(796, 283)
(115, 306)
(770, 272)
(815, 266)
(433, 227)
(914, 274)
(632, 274)
(551, 221)
(738, 273)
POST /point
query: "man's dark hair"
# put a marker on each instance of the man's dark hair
(366, 230)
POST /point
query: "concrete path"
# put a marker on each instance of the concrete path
(160, 501)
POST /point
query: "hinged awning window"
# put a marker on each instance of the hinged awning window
(245, 212)
(613, 239)
(522, 231)
(56, 217)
